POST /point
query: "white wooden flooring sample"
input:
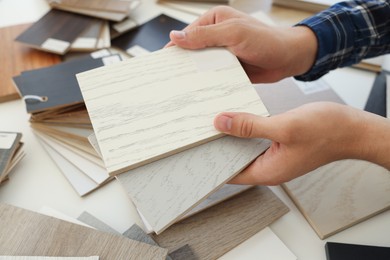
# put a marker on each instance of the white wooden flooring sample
(341, 194)
(158, 104)
(166, 190)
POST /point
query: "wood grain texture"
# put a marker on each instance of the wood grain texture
(215, 231)
(27, 233)
(18, 58)
(341, 194)
(166, 190)
(60, 26)
(158, 104)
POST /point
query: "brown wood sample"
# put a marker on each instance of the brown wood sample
(28, 233)
(55, 31)
(17, 58)
(215, 231)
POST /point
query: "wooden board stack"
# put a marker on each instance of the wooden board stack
(79, 25)
(58, 115)
(11, 153)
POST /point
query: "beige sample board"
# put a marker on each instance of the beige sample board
(341, 194)
(158, 104)
(217, 230)
(31, 234)
(166, 190)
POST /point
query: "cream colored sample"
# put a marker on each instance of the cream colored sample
(158, 104)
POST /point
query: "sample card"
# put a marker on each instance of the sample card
(158, 104)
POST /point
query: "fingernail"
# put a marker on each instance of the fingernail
(223, 123)
(179, 34)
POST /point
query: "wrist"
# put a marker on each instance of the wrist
(303, 49)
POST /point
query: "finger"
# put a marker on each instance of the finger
(249, 126)
(202, 36)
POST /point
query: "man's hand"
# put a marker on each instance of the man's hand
(267, 53)
(308, 137)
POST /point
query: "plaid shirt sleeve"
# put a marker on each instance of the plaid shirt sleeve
(348, 32)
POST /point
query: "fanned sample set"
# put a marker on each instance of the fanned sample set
(11, 152)
(58, 115)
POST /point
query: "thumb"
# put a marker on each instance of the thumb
(199, 37)
(247, 125)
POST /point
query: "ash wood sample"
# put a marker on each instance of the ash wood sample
(55, 31)
(149, 107)
(166, 190)
(215, 231)
(27, 233)
(341, 194)
(18, 58)
(152, 35)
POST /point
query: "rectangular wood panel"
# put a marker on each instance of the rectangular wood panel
(158, 104)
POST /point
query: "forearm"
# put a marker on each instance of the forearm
(347, 33)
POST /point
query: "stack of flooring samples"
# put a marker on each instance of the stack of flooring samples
(160, 134)
(18, 58)
(158, 104)
(58, 115)
(113, 10)
(77, 25)
(31, 234)
(338, 195)
(10, 153)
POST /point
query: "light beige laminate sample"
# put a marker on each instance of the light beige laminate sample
(341, 194)
(162, 103)
(25, 232)
(217, 230)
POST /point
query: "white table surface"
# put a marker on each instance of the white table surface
(37, 182)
